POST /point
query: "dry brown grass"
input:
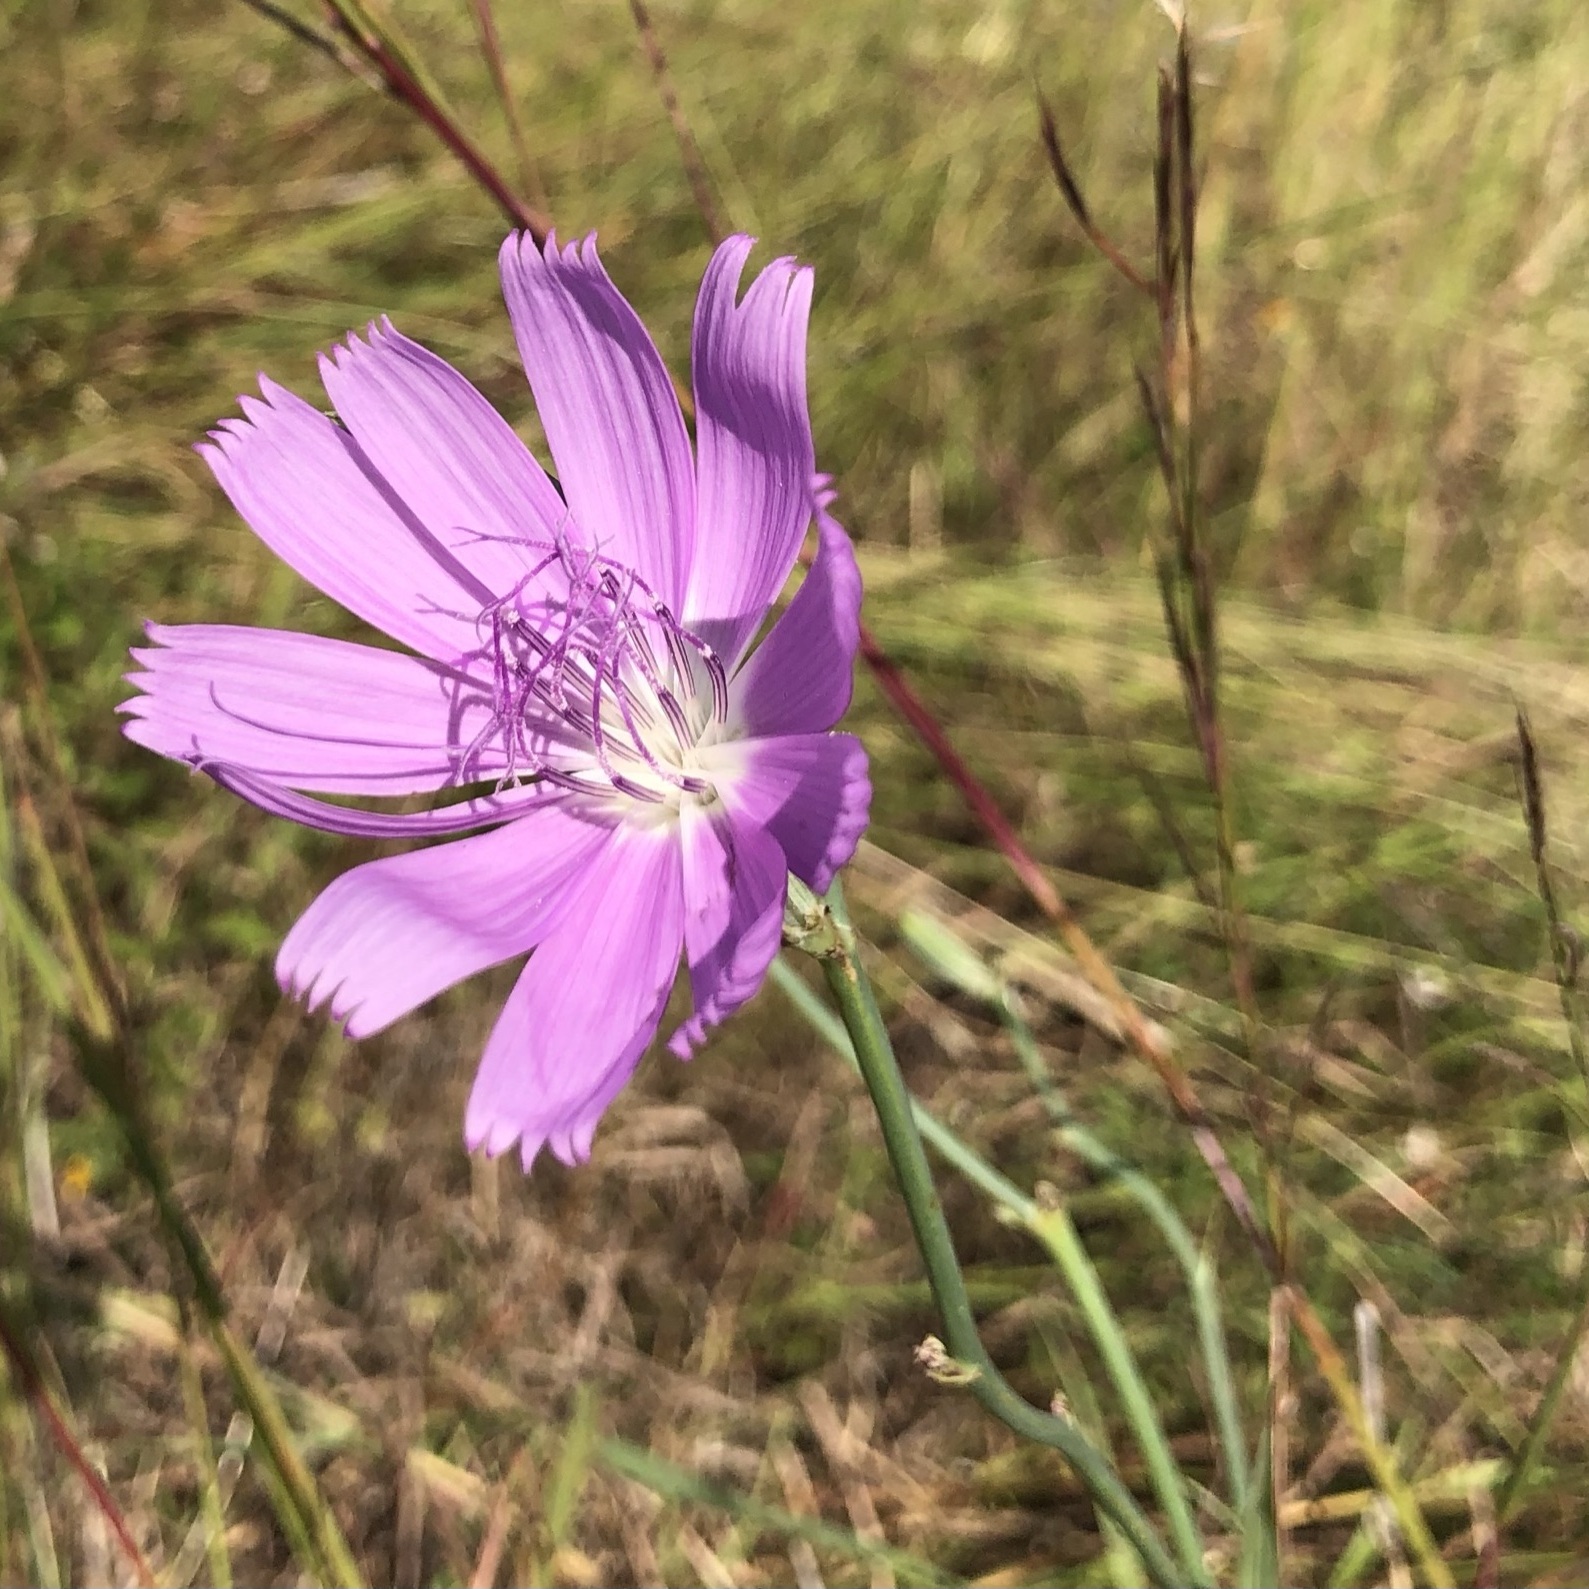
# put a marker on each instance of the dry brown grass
(478, 1366)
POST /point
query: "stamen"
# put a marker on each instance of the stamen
(574, 646)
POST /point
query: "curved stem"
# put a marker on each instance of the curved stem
(832, 941)
(1053, 1229)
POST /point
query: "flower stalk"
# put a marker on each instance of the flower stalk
(822, 929)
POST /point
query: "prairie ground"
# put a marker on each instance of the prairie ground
(691, 1360)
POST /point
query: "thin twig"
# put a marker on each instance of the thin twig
(491, 45)
(300, 30)
(1564, 948)
(409, 90)
(689, 150)
(1071, 190)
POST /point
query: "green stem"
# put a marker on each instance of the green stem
(1054, 1230)
(1198, 1271)
(998, 1188)
(1057, 1231)
(833, 941)
(1544, 1416)
(1057, 1234)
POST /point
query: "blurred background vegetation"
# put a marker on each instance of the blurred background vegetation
(1395, 233)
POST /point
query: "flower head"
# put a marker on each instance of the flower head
(638, 779)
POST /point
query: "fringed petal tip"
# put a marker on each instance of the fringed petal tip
(520, 247)
(494, 1137)
(739, 987)
(316, 993)
(850, 820)
(741, 982)
(378, 333)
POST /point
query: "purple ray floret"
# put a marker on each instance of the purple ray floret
(639, 782)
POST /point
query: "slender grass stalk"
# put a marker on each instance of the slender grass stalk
(1523, 1464)
(212, 1503)
(1371, 1375)
(107, 1068)
(1201, 1284)
(1187, 588)
(967, 970)
(1564, 949)
(1057, 1231)
(1081, 1402)
(825, 933)
(97, 1011)
(1381, 1463)
(491, 46)
(690, 156)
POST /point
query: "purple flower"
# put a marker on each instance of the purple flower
(584, 662)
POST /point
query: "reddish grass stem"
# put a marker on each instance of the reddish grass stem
(1071, 190)
(405, 86)
(31, 1383)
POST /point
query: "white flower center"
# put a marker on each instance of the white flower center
(596, 685)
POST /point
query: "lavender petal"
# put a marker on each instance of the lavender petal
(734, 885)
(446, 453)
(811, 792)
(390, 934)
(753, 435)
(799, 679)
(587, 1005)
(312, 497)
(307, 712)
(607, 406)
(464, 817)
